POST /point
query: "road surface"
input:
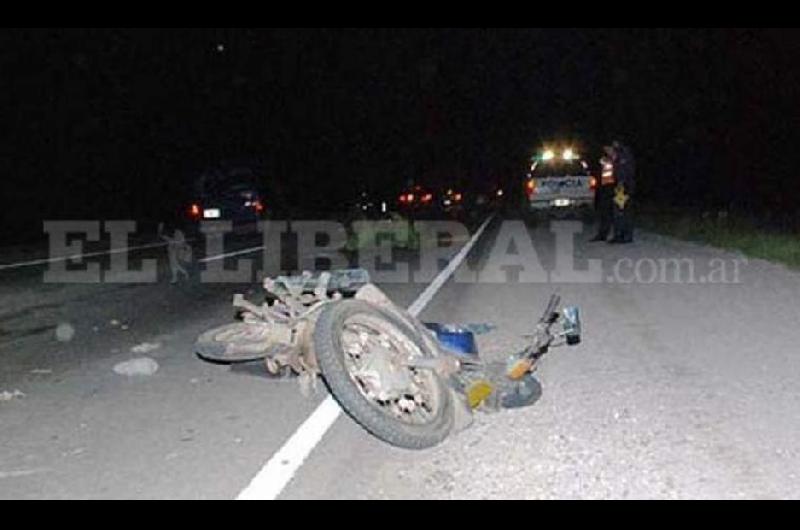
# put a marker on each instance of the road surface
(679, 390)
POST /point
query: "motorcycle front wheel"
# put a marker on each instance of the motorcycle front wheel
(363, 354)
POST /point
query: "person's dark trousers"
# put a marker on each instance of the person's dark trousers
(604, 206)
(623, 221)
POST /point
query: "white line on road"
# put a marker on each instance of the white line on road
(281, 468)
(253, 250)
(75, 257)
(437, 283)
(242, 252)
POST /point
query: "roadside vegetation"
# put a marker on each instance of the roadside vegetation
(718, 229)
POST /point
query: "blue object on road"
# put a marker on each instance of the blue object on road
(455, 338)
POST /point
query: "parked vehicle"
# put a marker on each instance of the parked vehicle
(559, 180)
(237, 194)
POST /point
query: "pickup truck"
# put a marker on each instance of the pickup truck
(556, 183)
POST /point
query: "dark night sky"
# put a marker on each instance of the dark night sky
(113, 123)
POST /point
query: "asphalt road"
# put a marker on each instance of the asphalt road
(679, 390)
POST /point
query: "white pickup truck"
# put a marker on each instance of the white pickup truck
(556, 183)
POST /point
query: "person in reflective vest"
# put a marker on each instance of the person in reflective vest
(604, 196)
(624, 192)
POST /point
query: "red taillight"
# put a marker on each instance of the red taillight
(258, 206)
(530, 187)
(593, 183)
(457, 197)
(428, 197)
(195, 211)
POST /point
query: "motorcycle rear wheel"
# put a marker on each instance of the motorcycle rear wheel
(239, 342)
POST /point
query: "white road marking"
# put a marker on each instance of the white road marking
(281, 468)
(242, 252)
(76, 257)
(437, 283)
(253, 250)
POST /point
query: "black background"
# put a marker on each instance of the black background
(114, 123)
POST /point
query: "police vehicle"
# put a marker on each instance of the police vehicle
(559, 180)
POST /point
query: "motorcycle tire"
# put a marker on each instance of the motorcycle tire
(366, 412)
(234, 343)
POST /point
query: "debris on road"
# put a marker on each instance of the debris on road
(10, 396)
(143, 366)
(65, 332)
(146, 347)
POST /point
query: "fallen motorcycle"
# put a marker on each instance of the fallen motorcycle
(407, 383)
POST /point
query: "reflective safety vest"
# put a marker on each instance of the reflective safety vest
(607, 176)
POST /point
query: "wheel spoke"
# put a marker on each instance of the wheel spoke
(363, 338)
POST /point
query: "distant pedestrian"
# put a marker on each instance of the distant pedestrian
(624, 192)
(179, 253)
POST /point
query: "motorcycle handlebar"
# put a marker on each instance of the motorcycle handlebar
(550, 314)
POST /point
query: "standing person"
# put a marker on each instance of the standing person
(625, 175)
(604, 196)
(179, 252)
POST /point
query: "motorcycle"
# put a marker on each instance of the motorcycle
(407, 383)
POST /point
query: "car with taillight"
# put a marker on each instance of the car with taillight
(235, 194)
(417, 200)
(451, 201)
(559, 179)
